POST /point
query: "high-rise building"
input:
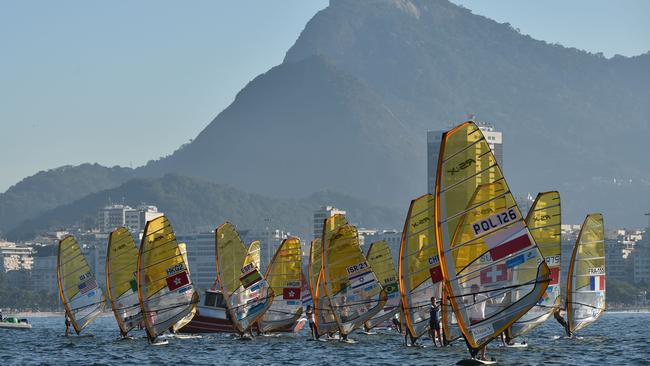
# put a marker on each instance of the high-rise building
(114, 216)
(319, 218)
(15, 257)
(493, 137)
(270, 240)
(201, 258)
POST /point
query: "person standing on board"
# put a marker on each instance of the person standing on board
(67, 325)
(397, 323)
(434, 322)
(312, 322)
(477, 311)
(560, 319)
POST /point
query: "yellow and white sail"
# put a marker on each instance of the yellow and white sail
(80, 294)
(544, 223)
(380, 260)
(246, 292)
(284, 275)
(586, 277)
(121, 281)
(355, 295)
(166, 293)
(323, 312)
(492, 268)
(253, 254)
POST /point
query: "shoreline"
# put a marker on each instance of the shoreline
(45, 314)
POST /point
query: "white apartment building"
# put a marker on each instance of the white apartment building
(113, 216)
(15, 257)
(319, 218)
(270, 240)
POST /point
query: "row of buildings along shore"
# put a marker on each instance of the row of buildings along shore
(32, 264)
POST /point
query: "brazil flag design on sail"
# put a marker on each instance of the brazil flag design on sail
(121, 282)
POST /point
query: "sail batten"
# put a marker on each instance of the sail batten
(351, 286)
(246, 292)
(284, 275)
(492, 268)
(586, 276)
(121, 281)
(166, 293)
(380, 259)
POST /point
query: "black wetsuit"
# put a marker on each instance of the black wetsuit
(434, 320)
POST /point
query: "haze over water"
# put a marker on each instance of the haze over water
(616, 338)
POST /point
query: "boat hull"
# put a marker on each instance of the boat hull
(209, 320)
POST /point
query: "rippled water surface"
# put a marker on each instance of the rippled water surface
(617, 338)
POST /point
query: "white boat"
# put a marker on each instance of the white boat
(15, 323)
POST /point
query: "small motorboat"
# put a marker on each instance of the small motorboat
(14, 323)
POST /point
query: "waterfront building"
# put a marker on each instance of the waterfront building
(136, 219)
(493, 137)
(201, 257)
(319, 218)
(43, 276)
(15, 257)
(270, 240)
(113, 216)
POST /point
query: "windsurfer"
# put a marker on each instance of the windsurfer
(312, 322)
(560, 319)
(67, 325)
(397, 324)
(434, 322)
(477, 311)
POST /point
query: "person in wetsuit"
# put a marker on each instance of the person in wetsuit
(434, 322)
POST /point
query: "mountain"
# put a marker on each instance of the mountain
(302, 127)
(366, 79)
(49, 189)
(349, 107)
(195, 204)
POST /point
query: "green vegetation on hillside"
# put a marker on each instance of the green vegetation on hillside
(194, 204)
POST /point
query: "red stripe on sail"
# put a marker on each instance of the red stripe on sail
(510, 247)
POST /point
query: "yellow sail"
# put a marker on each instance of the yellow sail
(165, 289)
(350, 284)
(313, 272)
(586, 277)
(419, 272)
(325, 320)
(544, 222)
(486, 251)
(284, 274)
(121, 282)
(246, 292)
(380, 260)
(253, 254)
(80, 294)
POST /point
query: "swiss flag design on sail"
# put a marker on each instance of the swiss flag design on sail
(555, 276)
(436, 274)
(494, 273)
(178, 280)
(291, 293)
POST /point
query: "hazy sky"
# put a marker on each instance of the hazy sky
(120, 83)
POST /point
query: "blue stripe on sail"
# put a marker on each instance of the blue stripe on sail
(513, 262)
(359, 275)
(364, 283)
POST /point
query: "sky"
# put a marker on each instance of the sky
(122, 83)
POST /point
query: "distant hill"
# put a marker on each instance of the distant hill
(49, 189)
(349, 107)
(195, 204)
(366, 79)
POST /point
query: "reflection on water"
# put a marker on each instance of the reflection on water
(614, 339)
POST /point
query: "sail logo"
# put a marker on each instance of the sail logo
(175, 269)
(357, 267)
(597, 283)
(596, 271)
(482, 331)
(434, 260)
(461, 166)
(494, 274)
(178, 280)
(420, 222)
(542, 218)
(495, 221)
